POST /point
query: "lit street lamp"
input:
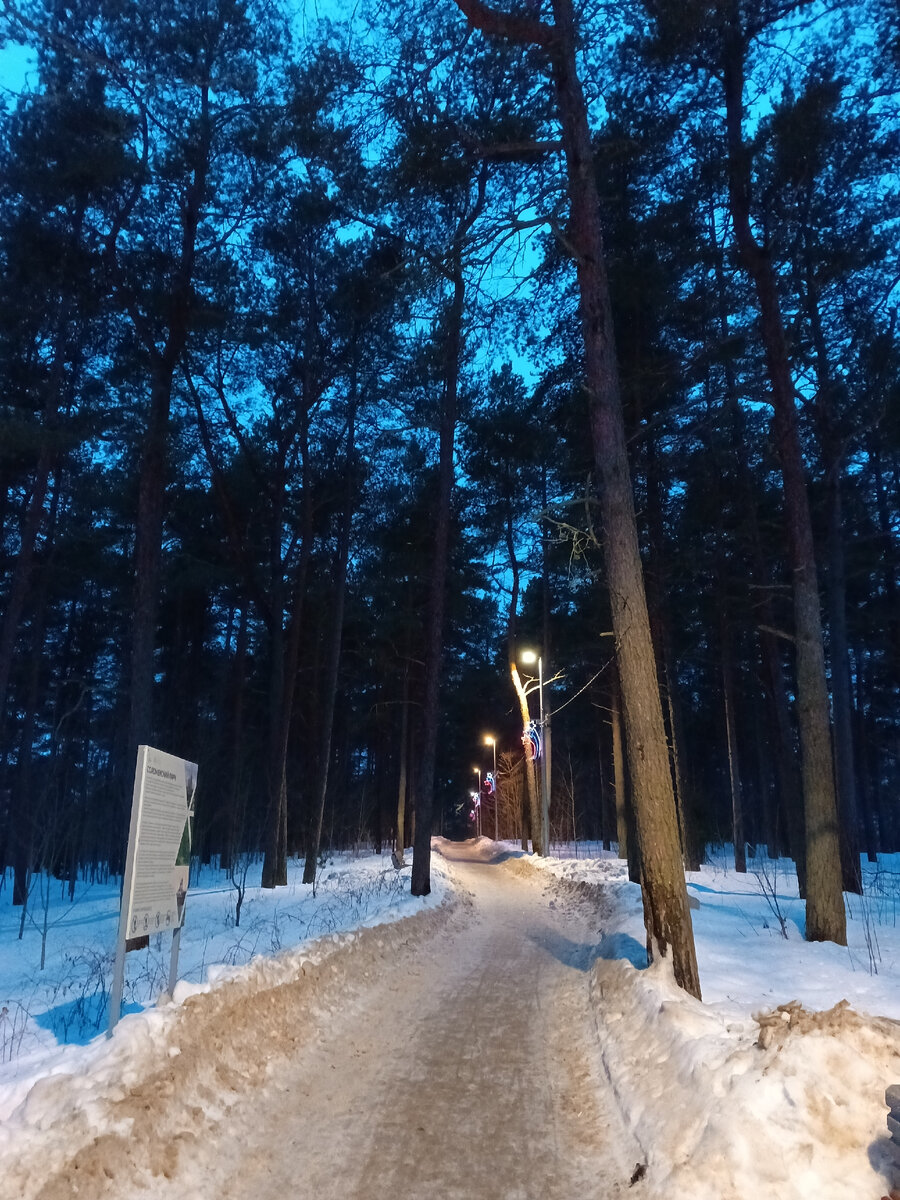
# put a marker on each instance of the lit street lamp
(529, 656)
(492, 741)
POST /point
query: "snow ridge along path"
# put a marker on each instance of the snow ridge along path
(451, 1056)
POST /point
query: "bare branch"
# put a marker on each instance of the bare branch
(527, 31)
(525, 151)
(779, 633)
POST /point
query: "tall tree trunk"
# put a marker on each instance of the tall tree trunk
(411, 783)
(825, 914)
(420, 882)
(728, 688)
(334, 658)
(832, 451)
(152, 475)
(666, 914)
(787, 776)
(607, 798)
(26, 822)
(29, 820)
(888, 546)
(525, 813)
(403, 755)
(875, 832)
(233, 833)
(618, 766)
(532, 789)
(286, 647)
(770, 830)
(734, 769)
(547, 739)
(34, 516)
(532, 792)
(274, 868)
(692, 852)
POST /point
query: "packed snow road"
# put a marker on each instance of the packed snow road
(450, 1057)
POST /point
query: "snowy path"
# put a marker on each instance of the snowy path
(460, 1064)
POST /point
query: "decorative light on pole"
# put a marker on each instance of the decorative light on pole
(529, 656)
(489, 740)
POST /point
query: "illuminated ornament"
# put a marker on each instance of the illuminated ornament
(489, 787)
(533, 734)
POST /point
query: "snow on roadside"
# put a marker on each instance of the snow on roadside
(63, 1005)
(724, 1106)
(60, 1098)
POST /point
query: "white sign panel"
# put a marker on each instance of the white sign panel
(158, 860)
(160, 842)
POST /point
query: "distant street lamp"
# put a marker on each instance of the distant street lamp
(492, 741)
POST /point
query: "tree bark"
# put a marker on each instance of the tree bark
(286, 658)
(420, 881)
(546, 731)
(825, 914)
(403, 754)
(692, 851)
(832, 451)
(875, 827)
(728, 685)
(154, 457)
(888, 546)
(533, 798)
(666, 914)
(535, 815)
(734, 769)
(334, 659)
(34, 516)
(233, 834)
(787, 776)
(620, 784)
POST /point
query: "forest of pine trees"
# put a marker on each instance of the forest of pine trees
(338, 358)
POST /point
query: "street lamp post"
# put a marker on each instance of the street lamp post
(492, 741)
(477, 771)
(529, 656)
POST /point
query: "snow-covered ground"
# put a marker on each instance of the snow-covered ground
(725, 1099)
(48, 1013)
(774, 1086)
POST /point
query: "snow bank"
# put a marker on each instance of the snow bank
(77, 1110)
(720, 1117)
(45, 1012)
(775, 1086)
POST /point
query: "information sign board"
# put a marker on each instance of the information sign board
(163, 800)
(158, 859)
